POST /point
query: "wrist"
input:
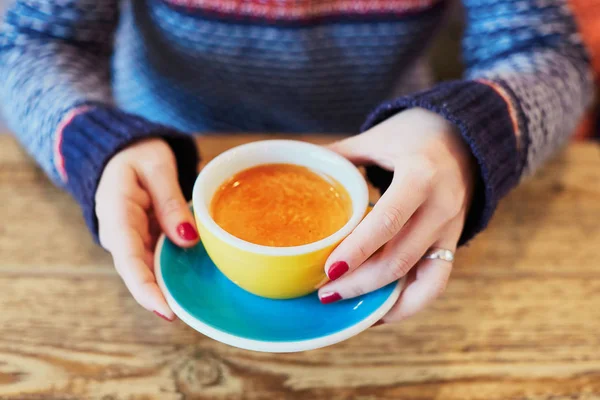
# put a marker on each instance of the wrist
(485, 124)
(92, 138)
(459, 154)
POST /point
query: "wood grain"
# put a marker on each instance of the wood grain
(520, 318)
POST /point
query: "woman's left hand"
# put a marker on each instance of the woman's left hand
(424, 207)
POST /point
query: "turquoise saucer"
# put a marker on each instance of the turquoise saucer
(202, 297)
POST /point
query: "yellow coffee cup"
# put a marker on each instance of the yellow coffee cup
(274, 272)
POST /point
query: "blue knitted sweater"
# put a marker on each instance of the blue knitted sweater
(81, 79)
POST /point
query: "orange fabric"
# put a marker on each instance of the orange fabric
(511, 110)
(587, 16)
(587, 126)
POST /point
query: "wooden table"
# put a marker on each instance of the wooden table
(520, 318)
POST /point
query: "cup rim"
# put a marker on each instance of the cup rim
(360, 201)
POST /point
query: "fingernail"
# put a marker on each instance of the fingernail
(380, 322)
(330, 297)
(162, 316)
(337, 269)
(186, 231)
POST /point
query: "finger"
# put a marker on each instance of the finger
(408, 191)
(170, 207)
(122, 233)
(133, 263)
(119, 183)
(394, 260)
(431, 278)
(120, 198)
(117, 213)
(354, 150)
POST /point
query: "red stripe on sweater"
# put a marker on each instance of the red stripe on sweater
(587, 16)
(305, 9)
(59, 160)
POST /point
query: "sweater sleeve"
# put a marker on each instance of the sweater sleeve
(55, 92)
(527, 84)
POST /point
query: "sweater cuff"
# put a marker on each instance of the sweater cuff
(483, 120)
(91, 138)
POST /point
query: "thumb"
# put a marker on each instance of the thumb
(353, 149)
(171, 209)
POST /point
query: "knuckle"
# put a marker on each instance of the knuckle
(423, 175)
(399, 265)
(392, 220)
(458, 194)
(355, 291)
(158, 166)
(448, 208)
(423, 183)
(427, 166)
(169, 206)
(362, 251)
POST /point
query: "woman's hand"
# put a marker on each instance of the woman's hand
(138, 197)
(425, 206)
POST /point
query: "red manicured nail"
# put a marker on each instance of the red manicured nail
(380, 322)
(162, 316)
(186, 231)
(337, 269)
(330, 297)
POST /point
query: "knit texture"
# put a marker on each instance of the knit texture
(285, 66)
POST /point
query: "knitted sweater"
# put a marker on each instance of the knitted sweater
(81, 79)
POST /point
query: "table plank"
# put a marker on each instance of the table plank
(519, 320)
(496, 344)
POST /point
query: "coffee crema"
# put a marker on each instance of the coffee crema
(281, 205)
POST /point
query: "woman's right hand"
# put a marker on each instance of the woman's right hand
(139, 197)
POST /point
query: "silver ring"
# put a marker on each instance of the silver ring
(439, 254)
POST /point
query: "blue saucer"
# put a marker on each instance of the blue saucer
(205, 299)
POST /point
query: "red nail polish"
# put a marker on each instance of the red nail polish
(337, 269)
(330, 297)
(162, 316)
(186, 231)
